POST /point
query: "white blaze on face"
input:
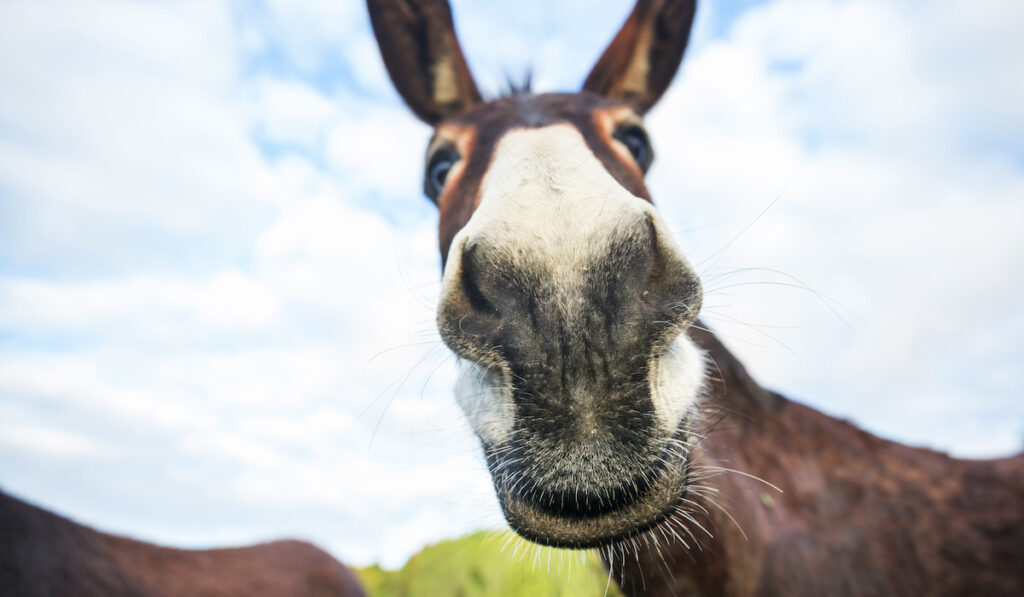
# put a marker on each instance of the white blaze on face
(548, 201)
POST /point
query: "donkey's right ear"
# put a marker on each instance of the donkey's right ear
(423, 57)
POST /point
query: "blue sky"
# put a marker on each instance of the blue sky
(217, 271)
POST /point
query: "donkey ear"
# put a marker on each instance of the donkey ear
(423, 57)
(639, 64)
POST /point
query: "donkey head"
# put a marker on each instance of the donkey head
(563, 295)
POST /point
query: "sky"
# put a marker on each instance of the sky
(218, 272)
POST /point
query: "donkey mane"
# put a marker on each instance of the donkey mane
(521, 86)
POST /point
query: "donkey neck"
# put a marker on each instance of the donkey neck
(853, 514)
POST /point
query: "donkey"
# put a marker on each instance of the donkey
(606, 412)
(42, 554)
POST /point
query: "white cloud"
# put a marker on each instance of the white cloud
(47, 441)
(189, 317)
(123, 144)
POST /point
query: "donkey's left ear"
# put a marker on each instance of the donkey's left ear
(423, 57)
(639, 64)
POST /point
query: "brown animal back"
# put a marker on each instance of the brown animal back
(42, 554)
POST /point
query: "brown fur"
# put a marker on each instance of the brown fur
(424, 58)
(858, 515)
(42, 554)
(639, 64)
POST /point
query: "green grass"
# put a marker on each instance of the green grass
(491, 564)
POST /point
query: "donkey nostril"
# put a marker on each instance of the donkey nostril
(671, 284)
(472, 279)
(468, 320)
(471, 276)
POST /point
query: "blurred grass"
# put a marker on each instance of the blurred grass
(491, 564)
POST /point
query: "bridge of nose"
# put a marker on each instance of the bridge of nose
(548, 211)
(547, 190)
(554, 231)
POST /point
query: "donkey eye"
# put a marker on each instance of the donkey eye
(635, 140)
(437, 171)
